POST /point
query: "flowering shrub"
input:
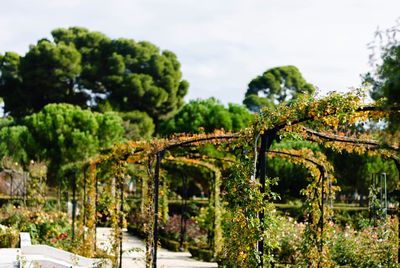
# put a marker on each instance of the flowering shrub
(368, 247)
(44, 227)
(9, 237)
(137, 222)
(61, 236)
(289, 234)
(194, 234)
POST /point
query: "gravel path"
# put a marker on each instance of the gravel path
(134, 253)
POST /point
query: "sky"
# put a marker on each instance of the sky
(222, 45)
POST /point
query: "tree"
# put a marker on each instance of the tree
(67, 134)
(386, 82)
(276, 85)
(292, 177)
(16, 142)
(89, 69)
(133, 75)
(11, 81)
(208, 115)
(240, 116)
(46, 74)
(385, 76)
(137, 125)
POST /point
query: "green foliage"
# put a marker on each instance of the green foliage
(241, 225)
(46, 74)
(385, 77)
(195, 235)
(390, 73)
(17, 142)
(376, 208)
(240, 116)
(354, 171)
(68, 134)
(89, 69)
(11, 82)
(138, 125)
(206, 116)
(243, 198)
(37, 187)
(133, 75)
(292, 177)
(170, 244)
(386, 83)
(9, 237)
(367, 247)
(44, 227)
(205, 218)
(289, 233)
(276, 85)
(202, 254)
(6, 121)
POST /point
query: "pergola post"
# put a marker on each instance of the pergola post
(121, 219)
(266, 141)
(397, 163)
(183, 213)
(159, 157)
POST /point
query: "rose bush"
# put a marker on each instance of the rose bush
(367, 246)
(9, 237)
(43, 227)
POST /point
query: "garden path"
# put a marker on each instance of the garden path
(134, 253)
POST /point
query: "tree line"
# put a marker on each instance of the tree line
(80, 92)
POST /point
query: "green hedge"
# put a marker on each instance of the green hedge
(202, 254)
(169, 244)
(136, 231)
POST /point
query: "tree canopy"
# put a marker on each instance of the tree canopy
(137, 125)
(208, 115)
(89, 69)
(46, 74)
(60, 134)
(385, 77)
(386, 83)
(17, 143)
(274, 86)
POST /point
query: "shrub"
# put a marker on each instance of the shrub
(170, 244)
(44, 227)
(136, 224)
(368, 246)
(194, 234)
(202, 254)
(9, 237)
(289, 236)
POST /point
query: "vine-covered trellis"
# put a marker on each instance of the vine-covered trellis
(248, 202)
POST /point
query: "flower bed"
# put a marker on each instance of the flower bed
(50, 228)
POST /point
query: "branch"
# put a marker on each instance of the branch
(345, 139)
(319, 165)
(360, 109)
(204, 139)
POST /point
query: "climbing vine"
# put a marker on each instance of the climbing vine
(319, 191)
(249, 220)
(215, 205)
(90, 210)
